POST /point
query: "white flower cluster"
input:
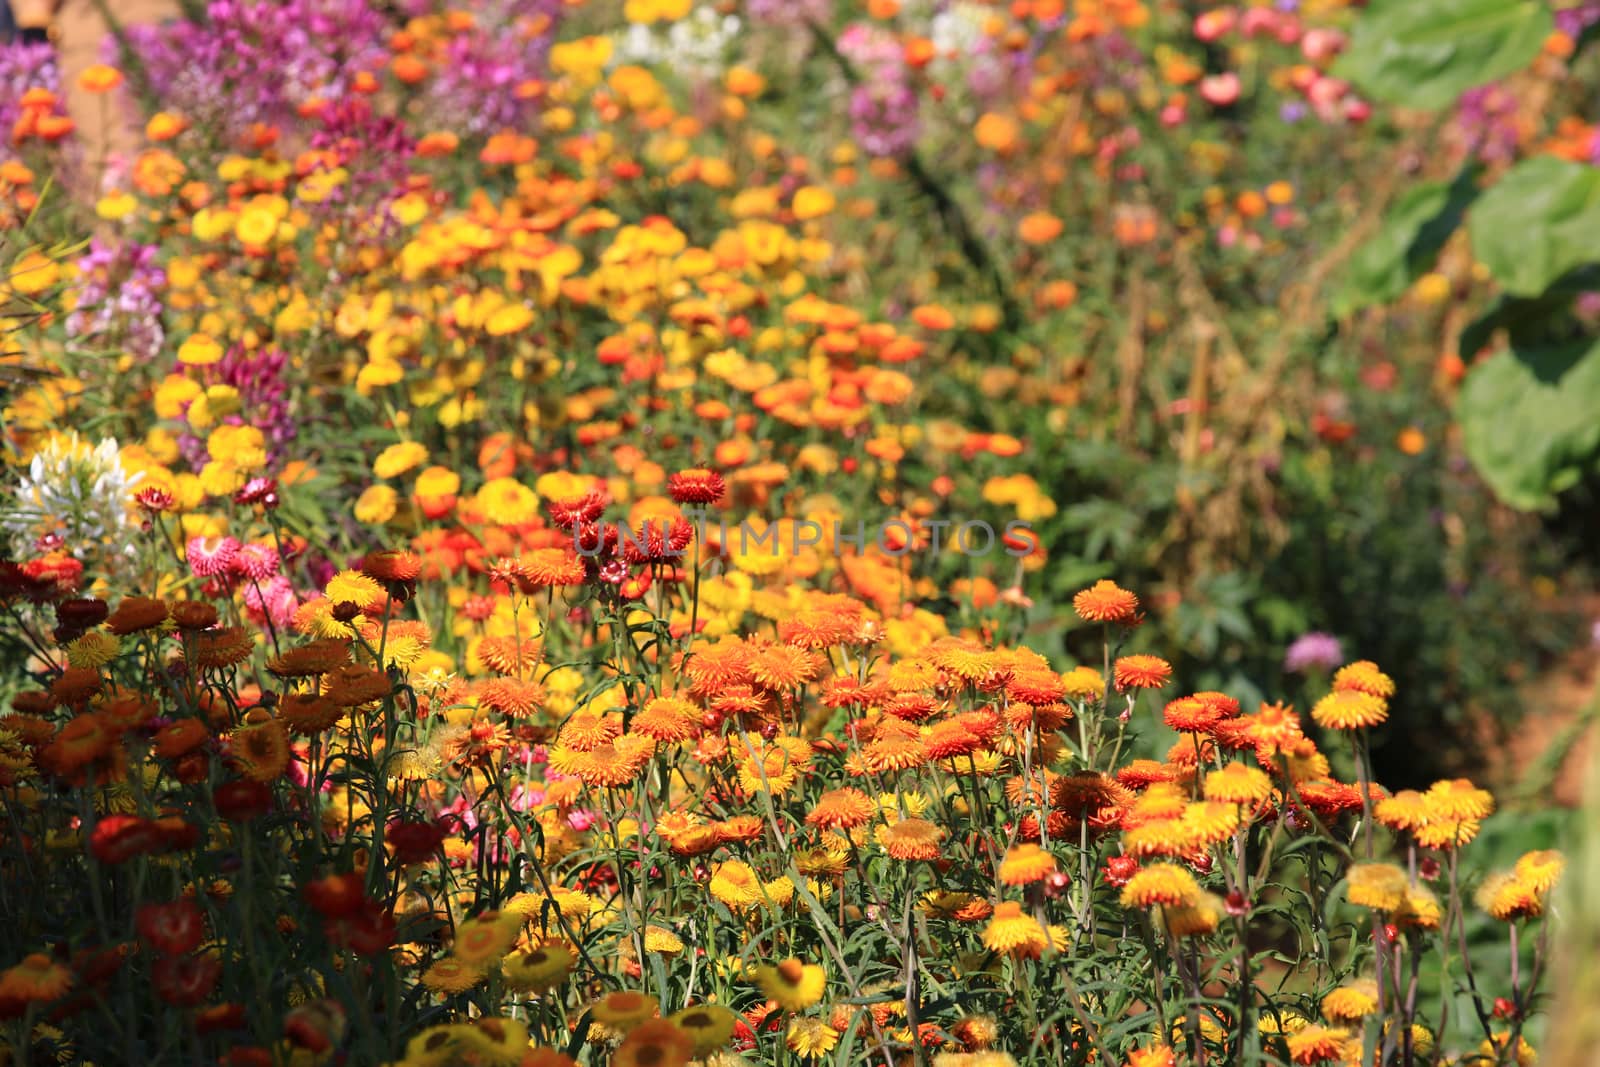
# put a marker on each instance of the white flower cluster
(78, 492)
(695, 46)
(958, 29)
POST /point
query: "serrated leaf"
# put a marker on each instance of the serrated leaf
(1425, 53)
(1528, 419)
(1537, 223)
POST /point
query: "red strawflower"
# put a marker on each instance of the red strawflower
(154, 499)
(242, 799)
(173, 929)
(1118, 869)
(185, 981)
(696, 486)
(337, 896)
(414, 842)
(119, 838)
(366, 933)
(263, 491)
(567, 514)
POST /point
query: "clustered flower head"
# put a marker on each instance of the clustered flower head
(468, 652)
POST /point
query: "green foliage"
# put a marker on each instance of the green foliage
(1528, 419)
(1538, 222)
(1414, 231)
(1526, 416)
(1425, 53)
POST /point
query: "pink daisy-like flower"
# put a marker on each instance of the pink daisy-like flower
(256, 561)
(211, 557)
(273, 599)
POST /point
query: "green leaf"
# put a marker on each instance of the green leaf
(1528, 419)
(1425, 53)
(1537, 223)
(1416, 228)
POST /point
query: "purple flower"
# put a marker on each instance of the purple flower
(883, 107)
(118, 299)
(789, 12)
(1487, 118)
(256, 61)
(883, 118)
(1574, 20)
(474, 89)
(1313, 650)
(374, 149)
(259, 378)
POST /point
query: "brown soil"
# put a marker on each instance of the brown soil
(1552, 703)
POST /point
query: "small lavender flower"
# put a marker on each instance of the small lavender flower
(1574, 20)
(883, 118)
(1487, 118)
(118, 301)
(256, 61)
(473, 91)
(883, 107)
(1314, 650)
(789, 12)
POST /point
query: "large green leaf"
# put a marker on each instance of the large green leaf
(1529, 419)
(1418, 225)
(1532, 320)
(1537, 222)
(1425, 53)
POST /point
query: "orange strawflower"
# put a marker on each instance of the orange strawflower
(911, 839)
(1105, 601)
(1026, 864)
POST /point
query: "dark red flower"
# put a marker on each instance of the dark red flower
(119, 838)
(173, 929)
(1118, 869)
(657, 541)
(177, 833)
(242, 799)
(337, 896)
(95, 964)
(263, 491)
(314, 1026)
(52, 576)
(79, 615)
(366, 933)
(414, 842)
(153, 498)
(185, 981)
